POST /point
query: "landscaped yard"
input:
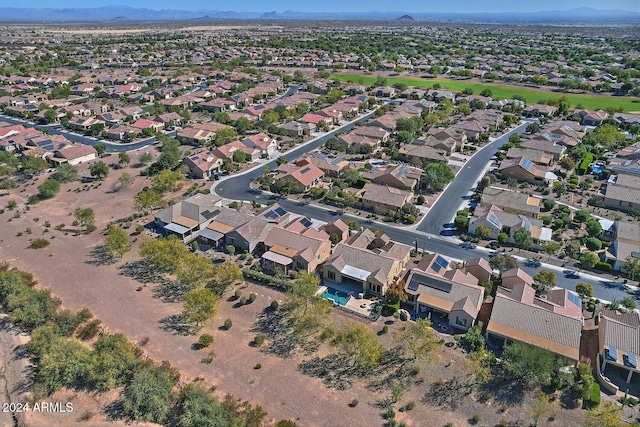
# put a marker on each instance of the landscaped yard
(502, 91)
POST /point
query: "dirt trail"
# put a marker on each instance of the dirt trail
(13, 365)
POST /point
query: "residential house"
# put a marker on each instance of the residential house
(369, 269)
(203, 165)
(556, 151)
(303, 173)
(497, 221)
(74, 154)
(356, 141)
(591, 118)
(226, 151)
(397, 176)
(420, 154)
(554, 323)
(296, 129)
(122, 132)
(316, 119)
(170, 119)
(619, 341)
(441, 95)
(238, 227)
(188, 218)
(511, 201)
(382, 198)
(337, 227)
(195, 136)
(296, 245)
(626, 243)
(539, 110)
(538, 157)
(84, 124)
(330, 166)
(267, 146)
(524, 169)
(479, 268)
(142, 124)
(376, 133)
(434, 295)
(623, 192)
(515, 277)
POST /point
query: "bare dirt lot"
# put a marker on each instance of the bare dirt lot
(442, 390)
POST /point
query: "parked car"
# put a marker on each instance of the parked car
(467, 245)
(571, 274)
(532, 263)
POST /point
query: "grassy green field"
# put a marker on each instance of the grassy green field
(501, 91)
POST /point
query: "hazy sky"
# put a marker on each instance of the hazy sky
(342, 5)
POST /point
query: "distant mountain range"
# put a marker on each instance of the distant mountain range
(126, 13)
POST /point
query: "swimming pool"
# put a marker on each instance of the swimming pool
(336, 295)
(597, 169)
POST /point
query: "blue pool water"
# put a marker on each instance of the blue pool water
(597, 169)
(336, 295)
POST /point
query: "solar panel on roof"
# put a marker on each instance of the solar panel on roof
(575, 299)
(336, 160)
(305, 170)
(435, 267)
(413, 285)
(527, 224)
(271, 214)
(526, 164)
(320, 155)
(280, 211)
(194, 157)
(611, 353)
(208, 214)
(439, 285)
(306, 222)
(632, 360)
(566, 127)
(443, 262)
(494, 219)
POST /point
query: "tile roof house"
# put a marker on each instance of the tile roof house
(372, 132)
(419, 154)
(619, 341)
(239, 228)
(538, 142)
(511, 201)
(591, 118)
(518, 315)
(331, 166)
(226, 151)
(300, 249)
(304, 173)
(498, 221)
(74, 154)
(623, 192)
(526, 170)
(195, 136)
(187, 219)
(372, 271)
(438, 294)
(514, 277)
(538, 157)
(382, 198)
(396, 176)
(202, 165)
(626, 243)
(267, 146)
(338, 227)
(146, 124)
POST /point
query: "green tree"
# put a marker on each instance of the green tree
(7, 184)
(286, 185)
(594, 229)
(164, 253)
(34, 164)
(631, 266)
(116, 244)
(112, 361)
(64, 364)
(482, 232)
(550, 247)
(503, 263)
(418, 340)
(528, 363)
(49, 188)
(194, 270)
(86, 218)
(149, 395)
(225, 275)
(581, 216)
(145, 158)
(66, 172)
(567, 163)
(239, 156)
(628, 303)
(544, 280)
(584, 289)
(198, 408)
(99, 170)
(460, 223)
(148, 199)
(464, 108)
(308, 313)
(522, 238)
(100, 148)
(360, 343)
(437, 176)
(605, 415)
(124, 158)
(29, 308)
(166, 181)
(589, 259)
(199, 306)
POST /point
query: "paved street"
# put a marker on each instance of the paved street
(445, 208)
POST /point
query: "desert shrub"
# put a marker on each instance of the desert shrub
(385, 329)
(252, 298)
(353, 403)
(237, 294)
(411, 405)
(205, 340)
(228, 324)
(274, 305)
(594, 395)
(258, 366)
(475, 419)
(243, 301)
(39, 243)
(603, 266)
(89, 330)
(259, 339)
